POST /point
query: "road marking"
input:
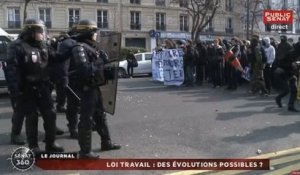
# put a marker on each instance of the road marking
(142, 88)
(276, 158)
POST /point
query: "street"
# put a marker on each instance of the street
(154, 121)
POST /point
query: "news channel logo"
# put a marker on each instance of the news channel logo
(278, 20)
(22, 159)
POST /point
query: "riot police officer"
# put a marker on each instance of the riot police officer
(11, 79)
(66, 43)
(30, 65)
(87, 74)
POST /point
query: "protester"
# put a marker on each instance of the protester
(130, 63)
(257, 66)
(217, 54)
(286, 75)
(270, 56)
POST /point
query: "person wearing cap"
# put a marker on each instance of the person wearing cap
(87, 67)
(31, 60)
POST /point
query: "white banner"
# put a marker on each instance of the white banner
(168, 67)
(157, 66)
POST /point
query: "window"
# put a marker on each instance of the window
(74, 16)
(135, 2)
(229, 23)
(184, 23)
(14, 20)
(228, 5)
(183, 3)
(148, 56)
(209, 27)
(74, 0)
(160, 21)
(135, 21)
(102, 1)
(160, 2)
(135, 42)
(102, 21)
(139, 57)
(45, 15)
(229, 26)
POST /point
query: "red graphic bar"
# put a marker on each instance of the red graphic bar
(154, 164)
(278, 16)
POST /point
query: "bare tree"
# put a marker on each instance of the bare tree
(255, 9)
(25, 9)
(255, 12)
(201, 12)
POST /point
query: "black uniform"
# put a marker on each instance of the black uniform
(286, 76)
(200, 62)
(65, 47)
(86, 75)
(59, 78)
(11, 80)
(33, 85)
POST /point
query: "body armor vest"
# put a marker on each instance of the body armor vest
(35, 63)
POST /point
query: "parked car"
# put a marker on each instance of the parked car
(5, 39)
(144, 65)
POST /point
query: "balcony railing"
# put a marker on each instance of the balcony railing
(229, 30)
(135, 26)
(102, 25)
(184, 28)
(161, 27)
(14, 24)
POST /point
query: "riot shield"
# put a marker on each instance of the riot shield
(110, 43)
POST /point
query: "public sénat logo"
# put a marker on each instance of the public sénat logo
(279, 19)
(22, 159)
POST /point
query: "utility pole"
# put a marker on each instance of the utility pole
(247, 18)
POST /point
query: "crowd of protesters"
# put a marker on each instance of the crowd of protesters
(271, 64)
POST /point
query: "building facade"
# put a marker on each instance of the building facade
(142, 23)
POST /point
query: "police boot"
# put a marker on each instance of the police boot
(73, 131)
(31, 124)
(108, 145)
(17, 122)
(17, 139)
(50, 129)
(103, 131)
(85, 143)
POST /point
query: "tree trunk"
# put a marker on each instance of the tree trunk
(25, 10)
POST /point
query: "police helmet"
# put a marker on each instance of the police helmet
(85, 29)
(86, 25)
(34, 25)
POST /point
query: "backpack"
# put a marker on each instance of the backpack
(135, 63)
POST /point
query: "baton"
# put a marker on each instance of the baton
(71, 90)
